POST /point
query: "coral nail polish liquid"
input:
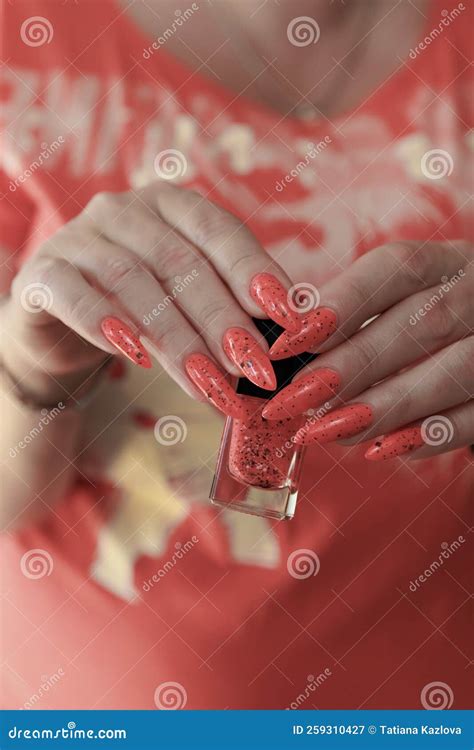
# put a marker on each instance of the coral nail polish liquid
(259, 463)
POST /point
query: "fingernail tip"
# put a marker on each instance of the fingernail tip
(276, 354)
(271, 382)
(372, 455)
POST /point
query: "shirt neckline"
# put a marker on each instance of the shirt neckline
(393, 83)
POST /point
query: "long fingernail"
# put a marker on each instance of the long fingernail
(317, 326)
(212, 382)
(396, 444)
(244, 351)
(306, 393)
(337, 425)
(272, 297)
(123, 338)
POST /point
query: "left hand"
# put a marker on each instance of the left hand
(408, 374)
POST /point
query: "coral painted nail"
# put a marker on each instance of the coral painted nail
(306, 393)
(337, 425)
(123, 338)
(212, 382)
(244, 351)
(318, 325)
(396, 444)
(272, 297)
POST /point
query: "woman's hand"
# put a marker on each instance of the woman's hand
(408, 374)
(165, 264)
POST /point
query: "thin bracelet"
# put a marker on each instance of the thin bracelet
(76, 401)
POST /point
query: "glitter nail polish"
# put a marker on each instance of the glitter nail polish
(259, 462)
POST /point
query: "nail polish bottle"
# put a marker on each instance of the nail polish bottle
(259, 464)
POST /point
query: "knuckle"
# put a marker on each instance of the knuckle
(165, 337)
(210, 313)
(75, 238)
(106, 204)
(465, 361)
(400, 399)
(412, 260)
(401, 252)
(78, 308)
(241, 262)
(43, 270)
(120, 269)
(98, 202)
(365, 353)
(464, 249)
(464, 293)
(357, 294)
(440, 321)
(159, 188)
(210, 225)
(170, 257)
(189, 196)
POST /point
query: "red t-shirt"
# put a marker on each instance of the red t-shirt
(134, 581)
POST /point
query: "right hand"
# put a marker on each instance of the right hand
(167, 263)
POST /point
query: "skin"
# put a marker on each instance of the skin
(128, 245)
(258, 25)
(402, 372)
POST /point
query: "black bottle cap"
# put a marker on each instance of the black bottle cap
(285, 369)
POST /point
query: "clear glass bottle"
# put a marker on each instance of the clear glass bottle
(259, 464)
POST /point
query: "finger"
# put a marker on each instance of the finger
(66, 295)
(204, 317)
(255, 279)
(211, 381)
(438, 383)
(438, 433)
(390, 343)
(173, 340)
(371, 285)
(222, 239)
(177, 345)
